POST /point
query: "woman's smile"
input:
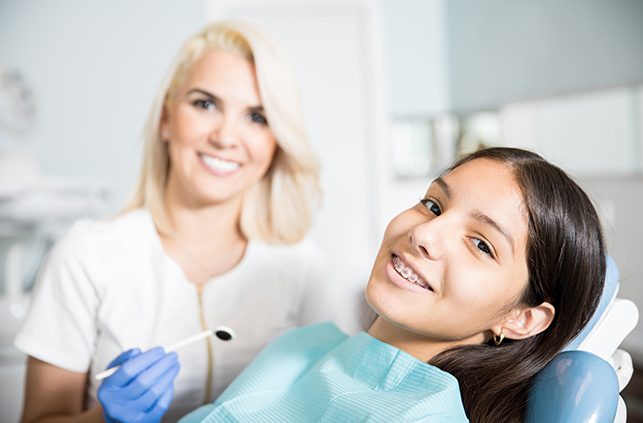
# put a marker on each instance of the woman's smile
(218, 165)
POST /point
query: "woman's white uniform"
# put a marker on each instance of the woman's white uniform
(109, 286)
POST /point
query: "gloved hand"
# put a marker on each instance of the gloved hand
(141, 389)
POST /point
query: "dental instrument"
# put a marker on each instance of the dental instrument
(224, 333)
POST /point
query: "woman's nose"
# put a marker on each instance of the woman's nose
(225, 134)
(427, 240)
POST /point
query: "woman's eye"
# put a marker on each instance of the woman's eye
(482, 246)
(204, 104)
(258, 118)
(432, 206)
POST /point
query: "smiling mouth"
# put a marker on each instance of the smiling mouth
(219, 165)
(407, 273)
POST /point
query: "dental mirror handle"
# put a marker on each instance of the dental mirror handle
(224, 333)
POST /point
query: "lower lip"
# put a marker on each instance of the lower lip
(400, 282)
(217, 172)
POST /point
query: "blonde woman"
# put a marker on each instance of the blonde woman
(215, 235)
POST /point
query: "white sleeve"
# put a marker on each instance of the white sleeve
(60, 327)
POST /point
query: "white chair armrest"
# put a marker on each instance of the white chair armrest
(621, 411)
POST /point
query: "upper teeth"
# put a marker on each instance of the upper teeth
(219, 164)
(407, 273)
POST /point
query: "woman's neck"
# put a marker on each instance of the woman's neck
(207, 226)
(205, 240)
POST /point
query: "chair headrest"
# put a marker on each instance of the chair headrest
(610, 289)
(576, 386)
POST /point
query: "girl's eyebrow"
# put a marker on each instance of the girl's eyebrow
(478, 215)
(481, 217)
(445, 187)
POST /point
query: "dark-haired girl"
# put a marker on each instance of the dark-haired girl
(476, 287)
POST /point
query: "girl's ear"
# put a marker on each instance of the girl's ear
(524, 321)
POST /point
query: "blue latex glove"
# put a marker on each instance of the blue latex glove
(141, 389)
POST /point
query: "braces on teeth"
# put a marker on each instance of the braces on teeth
(407, 273)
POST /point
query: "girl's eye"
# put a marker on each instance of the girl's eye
(432, 206)
(256, 117)
(204, 104)
(482, 246)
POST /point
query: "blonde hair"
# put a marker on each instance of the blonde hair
(278, 208)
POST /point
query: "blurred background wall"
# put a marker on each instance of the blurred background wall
(392, 91)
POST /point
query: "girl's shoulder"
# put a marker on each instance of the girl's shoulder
(280, 364)
(312, 339)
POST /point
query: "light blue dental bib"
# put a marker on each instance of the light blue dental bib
(319, 374)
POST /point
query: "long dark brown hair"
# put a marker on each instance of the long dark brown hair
(566, 267)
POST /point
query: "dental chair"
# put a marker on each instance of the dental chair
(582, 383)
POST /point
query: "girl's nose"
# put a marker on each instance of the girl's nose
(427, 240)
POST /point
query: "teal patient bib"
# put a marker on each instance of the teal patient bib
(320, 374)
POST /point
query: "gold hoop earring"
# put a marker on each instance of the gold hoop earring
(497, 339)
